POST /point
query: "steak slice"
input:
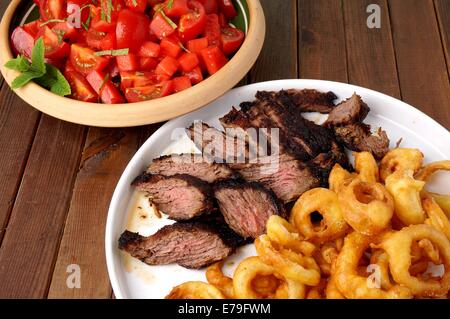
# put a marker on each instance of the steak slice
(180, 196)
(306, 100)
(352, 110)
(195, 165)
(358, 137)
(191, 244)
(286, 176)
(246, 207)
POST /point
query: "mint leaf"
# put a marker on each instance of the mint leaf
(20, 64)
(60, 86)
(37, 56)
(24, 78)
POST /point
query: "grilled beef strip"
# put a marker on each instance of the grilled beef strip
(195, 165)
(180, 196)
(189, 244)
(358, 137)
(352, 110)
(246, 207)
(306, 100)
(347, 122)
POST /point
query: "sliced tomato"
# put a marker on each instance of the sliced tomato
(214, 59)
(100, 40)
(128, 62)
(132, 30)
(192, 24)
(167, 67)
(210, 6)
(181, 83)
(52, 9)
(136, 5)
(55, 47)
(160, 27)
(85, 61)
(22, 42)
(231, 40)
(188, 61)
(81, 89)
(32, 28)
(136, 79)
(197, 45)
(101, 23)
(228, 9)
(212, 29)
(66, 31)
(195, 76)
(148, 64)
(108, 92)
(151, 92)
(69, 67)
(175, 8)
(170, 47)
(149, 49)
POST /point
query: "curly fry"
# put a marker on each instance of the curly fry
(436, 217)
(338, 176)
(400, 159)
(195, 290)
(432, 168)
(366, 166)
(215, 277)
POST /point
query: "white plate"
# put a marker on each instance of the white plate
(132, 279)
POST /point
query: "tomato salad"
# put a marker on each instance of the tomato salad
(132, 50)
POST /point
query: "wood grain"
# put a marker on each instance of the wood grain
(322, 52)
(278, 56)
(18, 123)
(370, 52)
(31, 241)
(105, 156)
(443, 14)
(420, 59)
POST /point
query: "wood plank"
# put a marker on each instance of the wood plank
(322, 52)
(105, 156)
(30, 244)
(420, 58)
(370, 52)
(443, 13)
(18, 123)
(278, 56)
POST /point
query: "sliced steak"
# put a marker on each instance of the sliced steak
(246, 207)
(352, 110)
(191, 245)
(358, 137)
(181, 196)
(297, 136)
(305, 100)
(286, 176)
(195, 165)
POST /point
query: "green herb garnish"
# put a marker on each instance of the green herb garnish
(169, 4)
(160, 10)
(105, 80)
(42, 73)
(87, 24)
(51, 21)
(113, 52)
(109, 8)
(135, 3)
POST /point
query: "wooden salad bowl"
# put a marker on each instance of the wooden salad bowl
(140, 113)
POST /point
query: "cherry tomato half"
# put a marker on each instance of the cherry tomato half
(85, 61)
(151, 92)
(81, 89)
(231, 40)
(192, 24)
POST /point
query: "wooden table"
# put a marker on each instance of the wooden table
(56, 178)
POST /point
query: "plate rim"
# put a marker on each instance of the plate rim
(310, 83)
